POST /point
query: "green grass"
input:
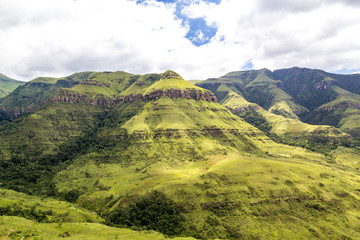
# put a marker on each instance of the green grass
(7, 85)
(234, 100)
(280, 194)
(280, 124)
(348, 157)
(297, 93)
(343, 112)
(184, 114)
(50, 80)
(167, 80)
(229, 179)
(31, 207)
(278, 101)
(47, 128)
(18, 228)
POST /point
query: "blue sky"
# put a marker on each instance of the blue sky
(198, 39)
(199, 32)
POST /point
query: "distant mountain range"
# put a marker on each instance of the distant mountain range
(313, 96)
(254, 154)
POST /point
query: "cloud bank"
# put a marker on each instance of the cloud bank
(198, 39)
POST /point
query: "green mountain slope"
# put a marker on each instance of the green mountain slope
(282, 129)
(297, 93)
(342, 112)
(7, 85)
(24, 216)
(257, 87)
(155, 152)
(33, 94)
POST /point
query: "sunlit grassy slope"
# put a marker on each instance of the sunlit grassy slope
(20, 228)
(229, 179)
(313, 96)
(44, 130)
(257, 87)
(34, 94)
(232, 195)
(280, 124)
(43, 209)
(7, 85)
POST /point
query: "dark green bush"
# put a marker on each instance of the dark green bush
(153, 211)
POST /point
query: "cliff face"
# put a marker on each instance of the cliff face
(72, 97)
(323, 85)
(173, 94)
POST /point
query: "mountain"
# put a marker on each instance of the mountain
(7, 85)
(312, 96)
(32, 95)
(154, 152)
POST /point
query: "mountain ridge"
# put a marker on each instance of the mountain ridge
(311, 95)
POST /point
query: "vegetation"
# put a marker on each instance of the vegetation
(257, 120)
(7, 85)
(153, 211)
(17, 228)
(177, 166)
(318, 141)
(314, 96)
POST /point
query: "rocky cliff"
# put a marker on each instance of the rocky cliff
(173, 94)
(67, 96)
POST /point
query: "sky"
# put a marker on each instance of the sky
(198, 39)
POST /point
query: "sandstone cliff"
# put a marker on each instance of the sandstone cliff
(67, 96)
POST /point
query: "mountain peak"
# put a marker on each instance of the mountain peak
(169, 74)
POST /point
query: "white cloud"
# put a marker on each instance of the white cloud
(59, 37)
(277, 34)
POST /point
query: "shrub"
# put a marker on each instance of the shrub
(153, 211)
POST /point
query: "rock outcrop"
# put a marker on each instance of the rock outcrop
(325, 84)
(279, 84)
(19, 111)
(173, 94)
(73, 97)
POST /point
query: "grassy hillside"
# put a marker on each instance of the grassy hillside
(43, 209)
(313, 96)
(7, 85)
(18, 228)
(228, 196)
(282, 129)
(156, 153)
(32, 95)
(257, 87)
(343, 112)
